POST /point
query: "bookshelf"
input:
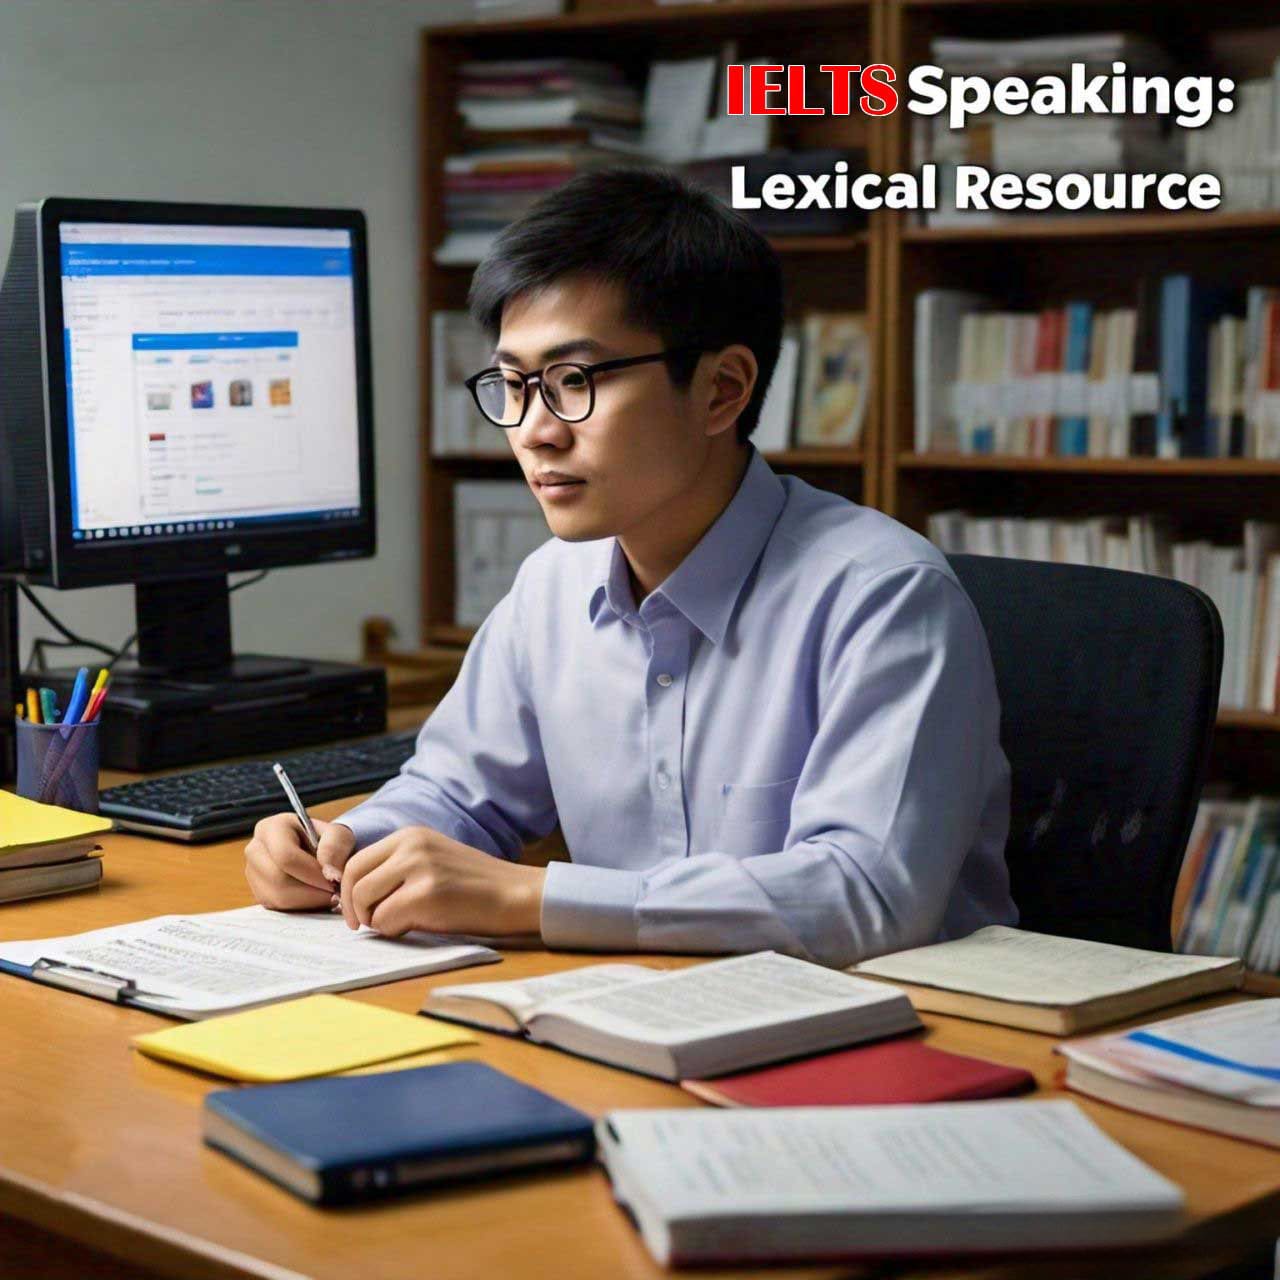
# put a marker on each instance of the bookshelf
(825, 272)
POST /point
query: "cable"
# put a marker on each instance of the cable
(74, 641)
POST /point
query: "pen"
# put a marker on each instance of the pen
(296, 805)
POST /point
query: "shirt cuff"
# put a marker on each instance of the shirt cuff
(590, 908)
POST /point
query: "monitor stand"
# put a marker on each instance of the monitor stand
(189, 698)
(184, 639)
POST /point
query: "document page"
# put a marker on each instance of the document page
(719, 997)
(222, 960)
(1233, 1052)
(1035, 968)
(521, 998)
(948, 1157)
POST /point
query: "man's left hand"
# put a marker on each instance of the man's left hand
(417, 878)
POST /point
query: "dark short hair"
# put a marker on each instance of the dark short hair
(690, 268)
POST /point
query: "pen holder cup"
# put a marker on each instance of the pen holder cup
(58, 764)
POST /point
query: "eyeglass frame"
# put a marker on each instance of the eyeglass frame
(588, 370)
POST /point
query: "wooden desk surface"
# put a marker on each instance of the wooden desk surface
(101, 1145)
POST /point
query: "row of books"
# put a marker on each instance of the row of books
(1191, 370)
(1228, 896)
(817, 397)
(1241, 147)
(1243, 581)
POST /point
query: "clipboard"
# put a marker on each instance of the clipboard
(80, 978)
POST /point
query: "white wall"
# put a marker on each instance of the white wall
(250, 101)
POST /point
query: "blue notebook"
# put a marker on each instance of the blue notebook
(347, 1138)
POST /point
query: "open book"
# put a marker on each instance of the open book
(746, 1185)
(721, 1016)
(1047, 983)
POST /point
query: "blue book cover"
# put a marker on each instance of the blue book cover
(345, 1138)
(1073, 429)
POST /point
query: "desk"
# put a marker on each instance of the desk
(100, 1147)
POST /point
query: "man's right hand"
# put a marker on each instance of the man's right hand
(284, 875)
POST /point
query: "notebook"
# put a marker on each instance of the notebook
(721, 1016)
(891, 1071)
(357, 1137)
(793, 1183)
(218, 962)
(1047, 983)
(43, 879)
(315, 1036)
(1216, 1069)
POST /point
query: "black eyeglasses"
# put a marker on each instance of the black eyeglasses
(567, 388)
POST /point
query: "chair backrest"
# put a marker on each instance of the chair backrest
(1108, 688)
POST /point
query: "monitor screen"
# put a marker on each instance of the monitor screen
(211, 379)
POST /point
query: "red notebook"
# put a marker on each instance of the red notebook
(901, 1070)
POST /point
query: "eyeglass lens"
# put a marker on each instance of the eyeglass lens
(565, 388)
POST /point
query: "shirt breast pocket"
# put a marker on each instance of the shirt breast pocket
(754, 816)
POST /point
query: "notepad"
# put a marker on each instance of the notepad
(315, 1036)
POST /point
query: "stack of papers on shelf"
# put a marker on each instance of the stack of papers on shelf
(200, 965)
(1218, 1069)
(45, 849)
(821, 1182)
(314, 1036)
(721, 1016)
(1047, 983)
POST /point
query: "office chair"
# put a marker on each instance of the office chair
(1108, 688)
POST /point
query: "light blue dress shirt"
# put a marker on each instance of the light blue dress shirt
(793, 742)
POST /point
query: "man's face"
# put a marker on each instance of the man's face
(644, 444)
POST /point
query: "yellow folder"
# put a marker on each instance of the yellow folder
(314, 1036)
(25, 824)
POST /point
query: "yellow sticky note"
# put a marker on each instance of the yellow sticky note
(25, 824)
(314, 1036)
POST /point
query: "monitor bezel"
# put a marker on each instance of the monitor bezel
(93, 562)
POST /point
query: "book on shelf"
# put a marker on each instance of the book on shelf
(715, 1017)
(791, 1183)
(1046, 983)
(1228, 892)
(836, 385)
(496, 524)
(1191, 370)
(1028, 143)
(343, 1139)
(775, 427)
(1216, 1069)
(1242, 580)
(458, 349)
(900, 1070)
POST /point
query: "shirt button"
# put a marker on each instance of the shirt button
(664, 680)
(664, 779)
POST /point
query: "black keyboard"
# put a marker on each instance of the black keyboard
(226, 799)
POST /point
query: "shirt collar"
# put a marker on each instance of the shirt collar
(706, 584)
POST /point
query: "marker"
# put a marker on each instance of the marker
(313, 839)
(79, 699)
(19, 711)
(48, 707)
(33, 707)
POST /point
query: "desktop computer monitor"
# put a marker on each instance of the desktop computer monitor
(185, 392)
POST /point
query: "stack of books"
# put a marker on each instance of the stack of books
(1191, 370)
(45, 849)
(530, 124)
(1228, 894)
(1243, 580)
(1028, 143)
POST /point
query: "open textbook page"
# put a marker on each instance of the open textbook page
(794, 1182)
(1093, 981)
(506, 1006)
(724, 1015)
(198, 965)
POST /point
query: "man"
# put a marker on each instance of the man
(764, 716)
